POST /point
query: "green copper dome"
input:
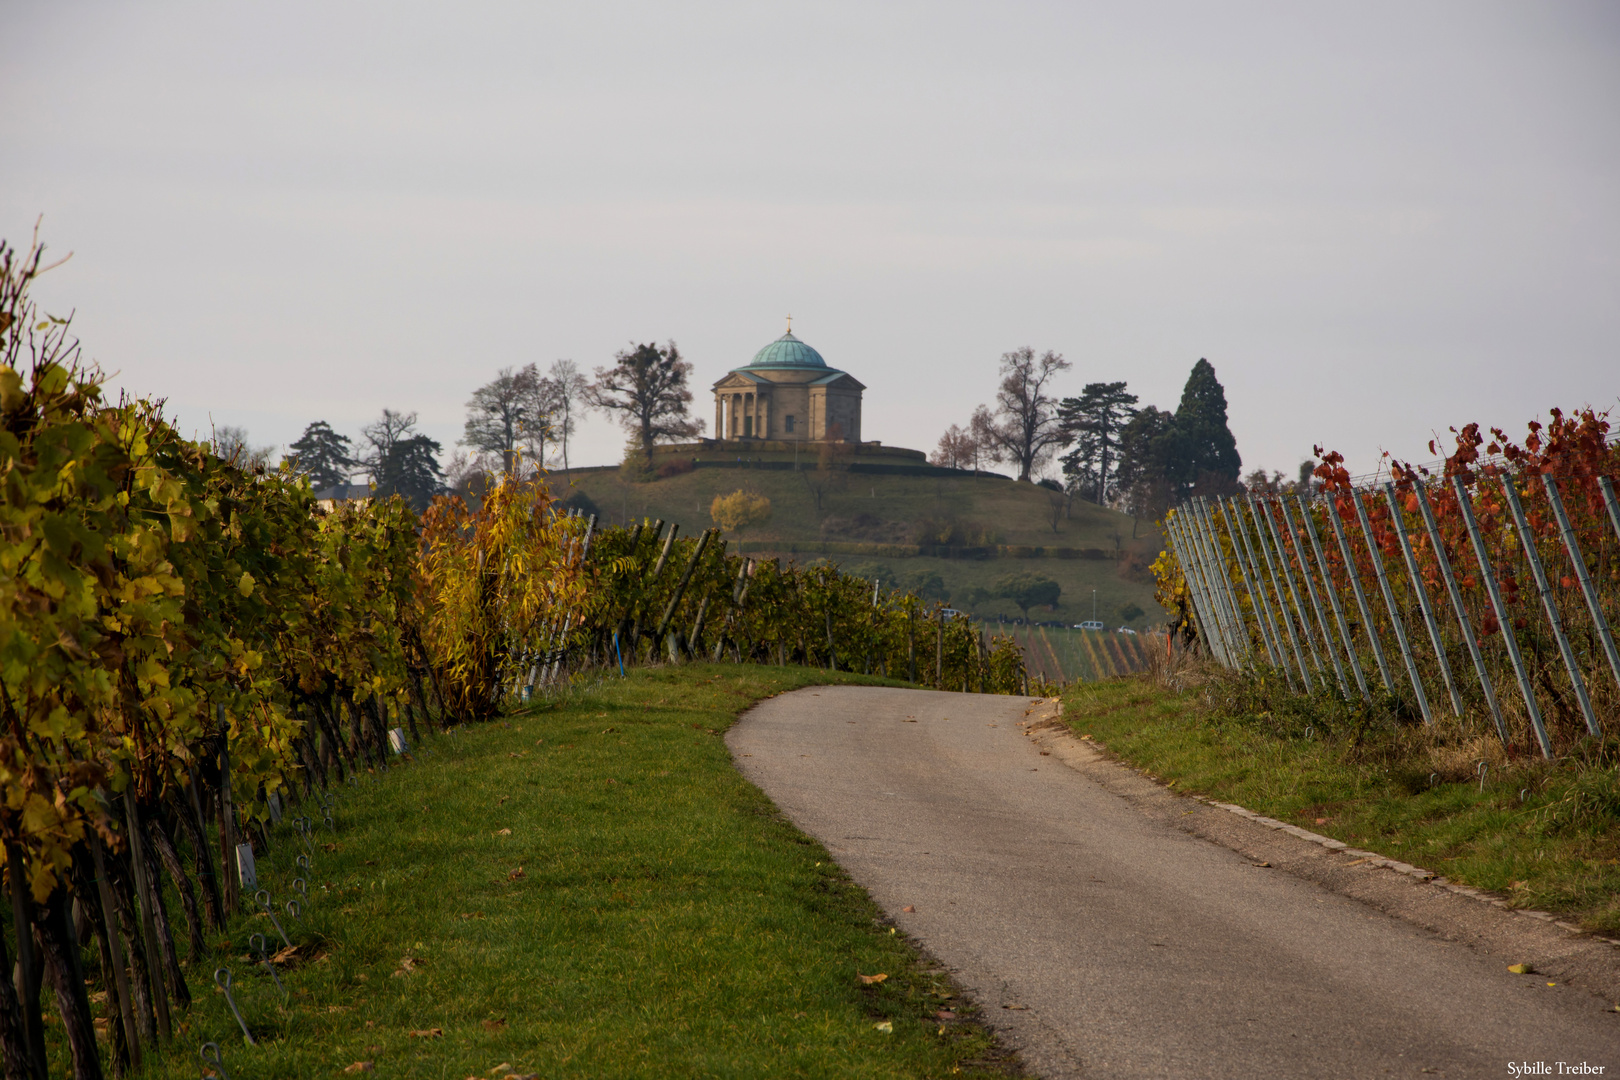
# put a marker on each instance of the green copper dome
(788, 351)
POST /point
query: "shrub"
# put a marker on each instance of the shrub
(739, 510)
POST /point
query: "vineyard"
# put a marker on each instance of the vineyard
(1063, 655)
(190, 649)
(1473, 596)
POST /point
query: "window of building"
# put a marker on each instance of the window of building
(787, 422)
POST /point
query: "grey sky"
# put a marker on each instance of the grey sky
(1376, 220)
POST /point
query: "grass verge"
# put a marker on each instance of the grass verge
(586, 889)
(1545, 835)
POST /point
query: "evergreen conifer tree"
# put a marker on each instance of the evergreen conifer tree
(322, 455)
(1206, 455)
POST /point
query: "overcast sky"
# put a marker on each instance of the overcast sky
(1376, 219)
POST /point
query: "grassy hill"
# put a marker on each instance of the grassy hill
(873, 524)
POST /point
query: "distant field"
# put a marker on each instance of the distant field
(881, 512)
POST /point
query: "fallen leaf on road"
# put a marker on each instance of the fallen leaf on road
(360, 1067)
(428, 1033)
(1260, 864)
(908, 907)
(1520, 969)
(1016, 1008)
(887, 1027)
(868, 980)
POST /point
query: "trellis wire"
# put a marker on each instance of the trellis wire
(1254, 599)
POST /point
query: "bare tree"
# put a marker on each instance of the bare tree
(647, 389)
(958, 449)
(230, 443)
(1025, 428)
(568, 388)
(380, 437)
(1057, 508)
(507, 412)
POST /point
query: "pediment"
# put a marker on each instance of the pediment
(740, 380)
(840, 381)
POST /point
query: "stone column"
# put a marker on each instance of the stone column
(763, 424)
(719, 417)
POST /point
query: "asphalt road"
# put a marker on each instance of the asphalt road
(1102, 940)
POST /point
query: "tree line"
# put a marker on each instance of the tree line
(519, 421)
(1143, 460)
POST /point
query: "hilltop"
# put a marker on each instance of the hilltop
(893, 517)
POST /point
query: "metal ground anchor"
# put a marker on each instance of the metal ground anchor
(256, 942)
(262, 898)
(222, 979)
(209, 1052)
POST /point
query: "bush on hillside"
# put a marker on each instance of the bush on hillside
(739, 510)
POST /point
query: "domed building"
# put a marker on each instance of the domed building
(787, 393)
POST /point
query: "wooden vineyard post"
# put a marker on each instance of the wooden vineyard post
(143, 915)
(911, 643)
(939, 650)
(29, 966)
(115, 944)
(232, 885)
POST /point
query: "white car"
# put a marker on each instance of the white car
(1126, 630)
(1090, 624)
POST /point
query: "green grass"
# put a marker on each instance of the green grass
(1397, 790)
(650, 914)
(1015, 513)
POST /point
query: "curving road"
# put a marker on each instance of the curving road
(1103, 938)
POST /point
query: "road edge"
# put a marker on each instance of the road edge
(1476, 917)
